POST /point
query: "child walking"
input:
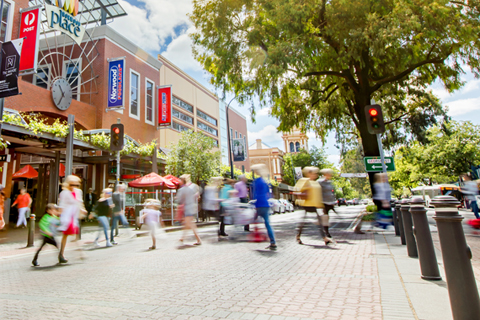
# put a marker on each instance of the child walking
(152, 217)
(48, 226)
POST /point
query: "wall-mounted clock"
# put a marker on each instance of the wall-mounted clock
(61, 93)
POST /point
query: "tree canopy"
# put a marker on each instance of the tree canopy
(318, 63)
(315, 157)
(194, 154)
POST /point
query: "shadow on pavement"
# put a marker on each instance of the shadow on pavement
(48, 268)
(266, 252)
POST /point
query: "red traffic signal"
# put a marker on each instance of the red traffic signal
(374, 118)
(116, 137)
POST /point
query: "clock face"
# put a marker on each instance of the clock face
(61, 94)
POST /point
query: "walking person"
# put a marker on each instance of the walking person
(328, 198)
(261, 196)
(210, 198)
(23, 203)
(153, 218)
(311, 191)
(2, 203)
(48, 228)
(90, 201)
(470, 189)
(118, 198)
(102, 211)
(71, 204)
(227, 187)
(186, 199)
(242, 193)
(382, 195)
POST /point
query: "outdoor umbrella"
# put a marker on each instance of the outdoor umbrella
(26, 172)
(151, 180)
(173, 179)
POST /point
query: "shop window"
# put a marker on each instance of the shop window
(72, 73)
(7, 20)
(182, 104)
(182, 116)
(178, 127)
(134, 97)
(206, 117)
(42, 77)
(149, 101)
(204, 127)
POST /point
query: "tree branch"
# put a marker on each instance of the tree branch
(351, 111)
(397, 119)
(326, 98)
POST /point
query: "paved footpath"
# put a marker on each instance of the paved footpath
(361, 277)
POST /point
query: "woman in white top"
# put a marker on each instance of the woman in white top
(152, 216)
(71, 203)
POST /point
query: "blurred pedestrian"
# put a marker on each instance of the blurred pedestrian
(224, 195)
(153, 218)
(261, 196)
(2, 202)
(210, 198)
(382, 196)
(186, 199)
(470, 189)
(328, 197)
(102, 212)
(242, 193)
(311, 192)
(23, 203)
(48, 228)
(71, 204)
(118, 198)
(90, 201)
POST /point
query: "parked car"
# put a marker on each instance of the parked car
(277, 206)
(288, 206)
(342, 202)
(364, 202)
(350, 202)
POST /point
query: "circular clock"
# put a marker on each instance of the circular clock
(61, 93)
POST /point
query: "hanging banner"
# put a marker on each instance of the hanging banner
(116, 76)
(29, 30)
(11, 52)
(298, 173)
(239, 150)
(61, 20)
(164, 106)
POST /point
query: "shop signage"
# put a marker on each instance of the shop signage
(130, 176)
(11, 52)
(116, 76)
(164, 106)
(59, 19)
(29, 30)
(5, 157)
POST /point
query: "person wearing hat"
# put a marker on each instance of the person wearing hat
(311, 191)
(328, 197)
(2, 201)
(261, 195)
(152, 217)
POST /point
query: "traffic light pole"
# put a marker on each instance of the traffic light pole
(380, 147)
(118, 162)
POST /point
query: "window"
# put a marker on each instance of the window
(240, 136)
(236, 134)
(42, 78)
(134, 97)
(179, 127)
(182, 116)
(7, 20)
(214, 140)
(292, 147)
(297, 146)
(231, 133)
(206, 117)
(182, 104)
(149, 101)
(72, 74)
(206, 128)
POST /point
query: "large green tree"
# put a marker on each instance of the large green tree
(318, 63)
(314, 157)
(194, 154)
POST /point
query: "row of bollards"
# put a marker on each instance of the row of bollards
(411, 221)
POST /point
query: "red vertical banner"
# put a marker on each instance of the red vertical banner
(29, 29)
(164, 106)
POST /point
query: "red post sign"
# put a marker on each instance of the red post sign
(29, 29)
(165, 106)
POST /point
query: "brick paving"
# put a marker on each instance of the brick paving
(218, 280)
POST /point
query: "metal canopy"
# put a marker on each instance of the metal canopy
(89, 11)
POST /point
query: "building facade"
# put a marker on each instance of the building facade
(272, 157)
(239, 136)
(295, 140)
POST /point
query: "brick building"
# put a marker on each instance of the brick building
(238, 130)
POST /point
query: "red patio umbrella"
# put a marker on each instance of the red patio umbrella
(26, 172)
(151, 180)
(61, 170)
(173, 179)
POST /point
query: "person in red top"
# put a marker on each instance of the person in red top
(23, 203)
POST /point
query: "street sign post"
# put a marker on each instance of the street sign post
(374, 164)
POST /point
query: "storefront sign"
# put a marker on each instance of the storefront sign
(11, 52)
(165, 106)
(29, 30)
(116, 83)
(59, 19)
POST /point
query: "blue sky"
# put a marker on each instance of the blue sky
(162, 26)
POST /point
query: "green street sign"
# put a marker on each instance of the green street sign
(374, 164)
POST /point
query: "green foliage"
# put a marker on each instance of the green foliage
(369, 217)
(315, 157)
(371, 208)
(194, 154)
(344, 188)
(352, 162)
(319, 63)
(450, 150)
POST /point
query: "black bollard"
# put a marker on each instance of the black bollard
(395, 220)
(408, 229)
(461, 283)
(31, 230)
(400, 221)
(426, 250)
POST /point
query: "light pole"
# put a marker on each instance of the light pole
(230, 157)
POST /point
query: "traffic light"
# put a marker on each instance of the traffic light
(374, 117)
(116, 137)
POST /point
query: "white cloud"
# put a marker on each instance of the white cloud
(268, 134)
(462, 106)
(264, 111)
(179, 51)
(335, 159)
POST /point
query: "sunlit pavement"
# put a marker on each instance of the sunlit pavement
(217, 280)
